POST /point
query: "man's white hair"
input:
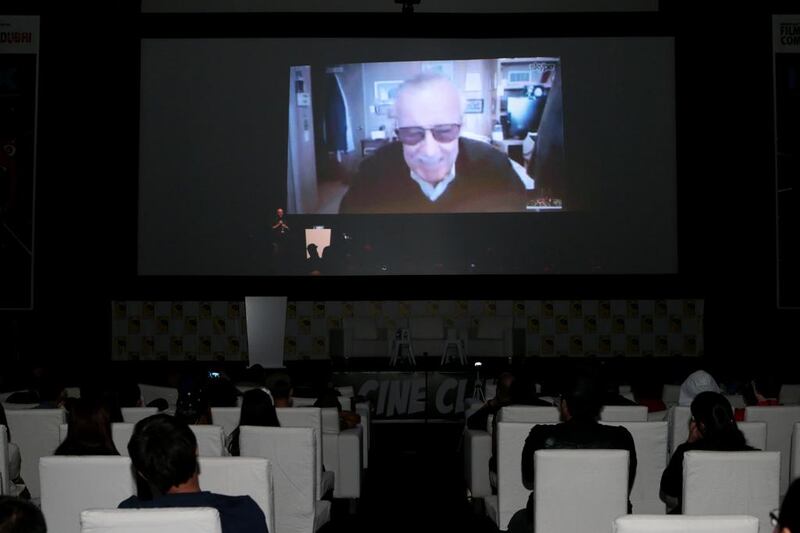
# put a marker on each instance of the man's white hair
(425, 79)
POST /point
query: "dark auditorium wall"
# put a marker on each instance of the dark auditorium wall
(86, 194)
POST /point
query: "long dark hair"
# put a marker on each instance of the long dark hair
(714, 416)
(89, 430)
(257, 410)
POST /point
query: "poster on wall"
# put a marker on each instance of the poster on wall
(786, 68)
(19, 53)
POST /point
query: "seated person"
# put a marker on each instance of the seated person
(20, 516)
(257, 410)
(432, 169)
(280, 387)
(479, 419)
(712, 427)
(192, 407)
(89, 430)
(581, 403)
(163, 452)
(788, 519)
(752, 394)
(693, 385)
(330, 398)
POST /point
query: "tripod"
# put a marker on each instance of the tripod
(477, 391)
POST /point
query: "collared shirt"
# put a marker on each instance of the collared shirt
(434, 191)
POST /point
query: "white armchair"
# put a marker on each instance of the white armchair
(172, 519)
(341, 453)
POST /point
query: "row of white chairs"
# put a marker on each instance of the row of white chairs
(206, 520)
(38, 432)
(277, 471)
(715, 483)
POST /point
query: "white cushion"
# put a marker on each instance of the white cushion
(307, 417)
(511, 493)
(678, 418)
(121, 433)
(670, 394)
(347, 391)
(299, 401)
(210, 440)
(132, 415)
(528, 413)
(5, 480)
(292, 452)
(736, 400)
(226, 417)
(624, 413)
(731, 483)
(36, 432)
(152, 392)
(597, 480)
(685, 524)
(755, 434)
(71, 484)
(172, 519)
(241, 476)
(796, 451)
(780, 422)
(477, 451)
(650, 442)
(789, 394)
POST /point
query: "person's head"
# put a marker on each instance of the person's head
(258, 409)
(130, 395)
(20, 516)
(428, 110)
(713, 415)
(159, 403)
(220, 391)
(163, 451)
(281, 389)
(192, 407)
(696, 383)
(788, 519)
(582, 398)
(505, 382)
(89, 425)
(329, 397)
(279, 212)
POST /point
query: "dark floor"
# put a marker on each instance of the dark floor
(414, 483)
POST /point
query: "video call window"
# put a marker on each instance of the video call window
(460, 136)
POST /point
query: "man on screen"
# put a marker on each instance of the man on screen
(432, 169)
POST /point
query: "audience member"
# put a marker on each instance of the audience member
(192, 407)
(752, 395)
(697, 382)
(788, 519)
(220, 390)
(159, 403)
(89, 430)
(329, 397)
(479, 419)
(580, 406)
(163, 451)
(280, 386)
(257, 410)
(20, 516)
(130, 395)
(712, 427)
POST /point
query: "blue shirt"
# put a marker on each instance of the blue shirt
(238, 514)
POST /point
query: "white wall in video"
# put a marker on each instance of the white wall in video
(454, 136)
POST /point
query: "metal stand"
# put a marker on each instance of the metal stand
(402, 338)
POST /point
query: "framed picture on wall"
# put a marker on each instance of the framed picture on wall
(474, 105)
(444, 68)
(386, 91)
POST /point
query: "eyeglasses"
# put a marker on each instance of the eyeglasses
(443, 133)
(773, 517)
